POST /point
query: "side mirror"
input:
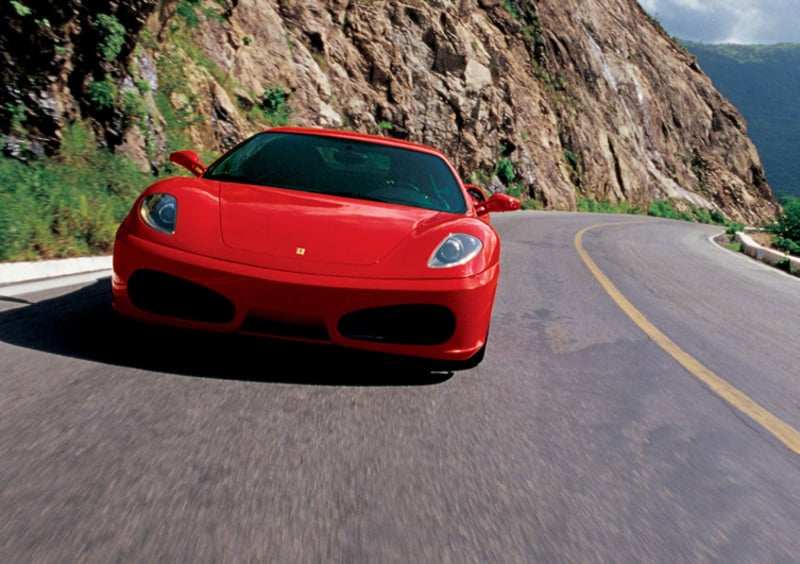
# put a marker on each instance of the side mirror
(498, 203)
(476, 193)
(188, 160)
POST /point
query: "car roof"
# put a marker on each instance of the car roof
(364, 137)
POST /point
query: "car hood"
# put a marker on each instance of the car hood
(316, 227)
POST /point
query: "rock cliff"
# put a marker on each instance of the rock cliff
(554, 100)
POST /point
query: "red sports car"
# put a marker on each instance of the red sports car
(321, 236)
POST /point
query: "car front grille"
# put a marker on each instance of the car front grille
(270, 327)
(414, 324)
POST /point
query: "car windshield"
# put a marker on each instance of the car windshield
(342, 167)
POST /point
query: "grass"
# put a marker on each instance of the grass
(66, 206)
(593, 206)
(671, 209)
(668, 209)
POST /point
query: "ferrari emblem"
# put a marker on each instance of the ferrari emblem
(301, 251)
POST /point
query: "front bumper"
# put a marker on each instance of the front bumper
(443, 319)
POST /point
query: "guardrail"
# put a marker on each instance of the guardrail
(768, 256)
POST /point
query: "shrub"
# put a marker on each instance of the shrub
(274, 98)
(666, 209)
(133, 106)
(710, 217)
(733, 228)
(187, 10)
(112, 36)
(718, 217)
(103, 94)
(786, 227)
(505, 170)
(275, 105)
(515, 189)
(786, 245)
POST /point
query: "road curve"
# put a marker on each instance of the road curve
(578, 439)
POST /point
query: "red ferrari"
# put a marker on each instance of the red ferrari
(320, 236)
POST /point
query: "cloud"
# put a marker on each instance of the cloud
(728, 21)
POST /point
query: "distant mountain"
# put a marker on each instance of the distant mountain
(763, 82)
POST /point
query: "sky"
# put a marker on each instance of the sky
(728, 21)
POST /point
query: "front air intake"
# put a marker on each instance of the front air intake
(164, 294)
(414, 324)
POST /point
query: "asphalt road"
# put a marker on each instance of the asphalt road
(579, 438)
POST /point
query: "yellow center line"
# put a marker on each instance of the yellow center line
(784, 432)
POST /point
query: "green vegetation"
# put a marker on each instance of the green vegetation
(670, 209)
(273, 109)
(786, 227)
(191, 10)
(18, 118)
(275, 105)
(112, 36)
(574, 164)
(103, 94)
(187, 9)
(734, 246)
(66, 206)
(175, 100)
(21, 9)
(133, 106)
(383, 126)
(667, 209)
(734, 228)
(516, 189)
(594, 206)
(525, 13)
(505, 171)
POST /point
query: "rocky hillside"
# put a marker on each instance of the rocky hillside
(555, 100)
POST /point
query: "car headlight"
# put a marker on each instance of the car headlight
(160, 211)
(455, 250)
